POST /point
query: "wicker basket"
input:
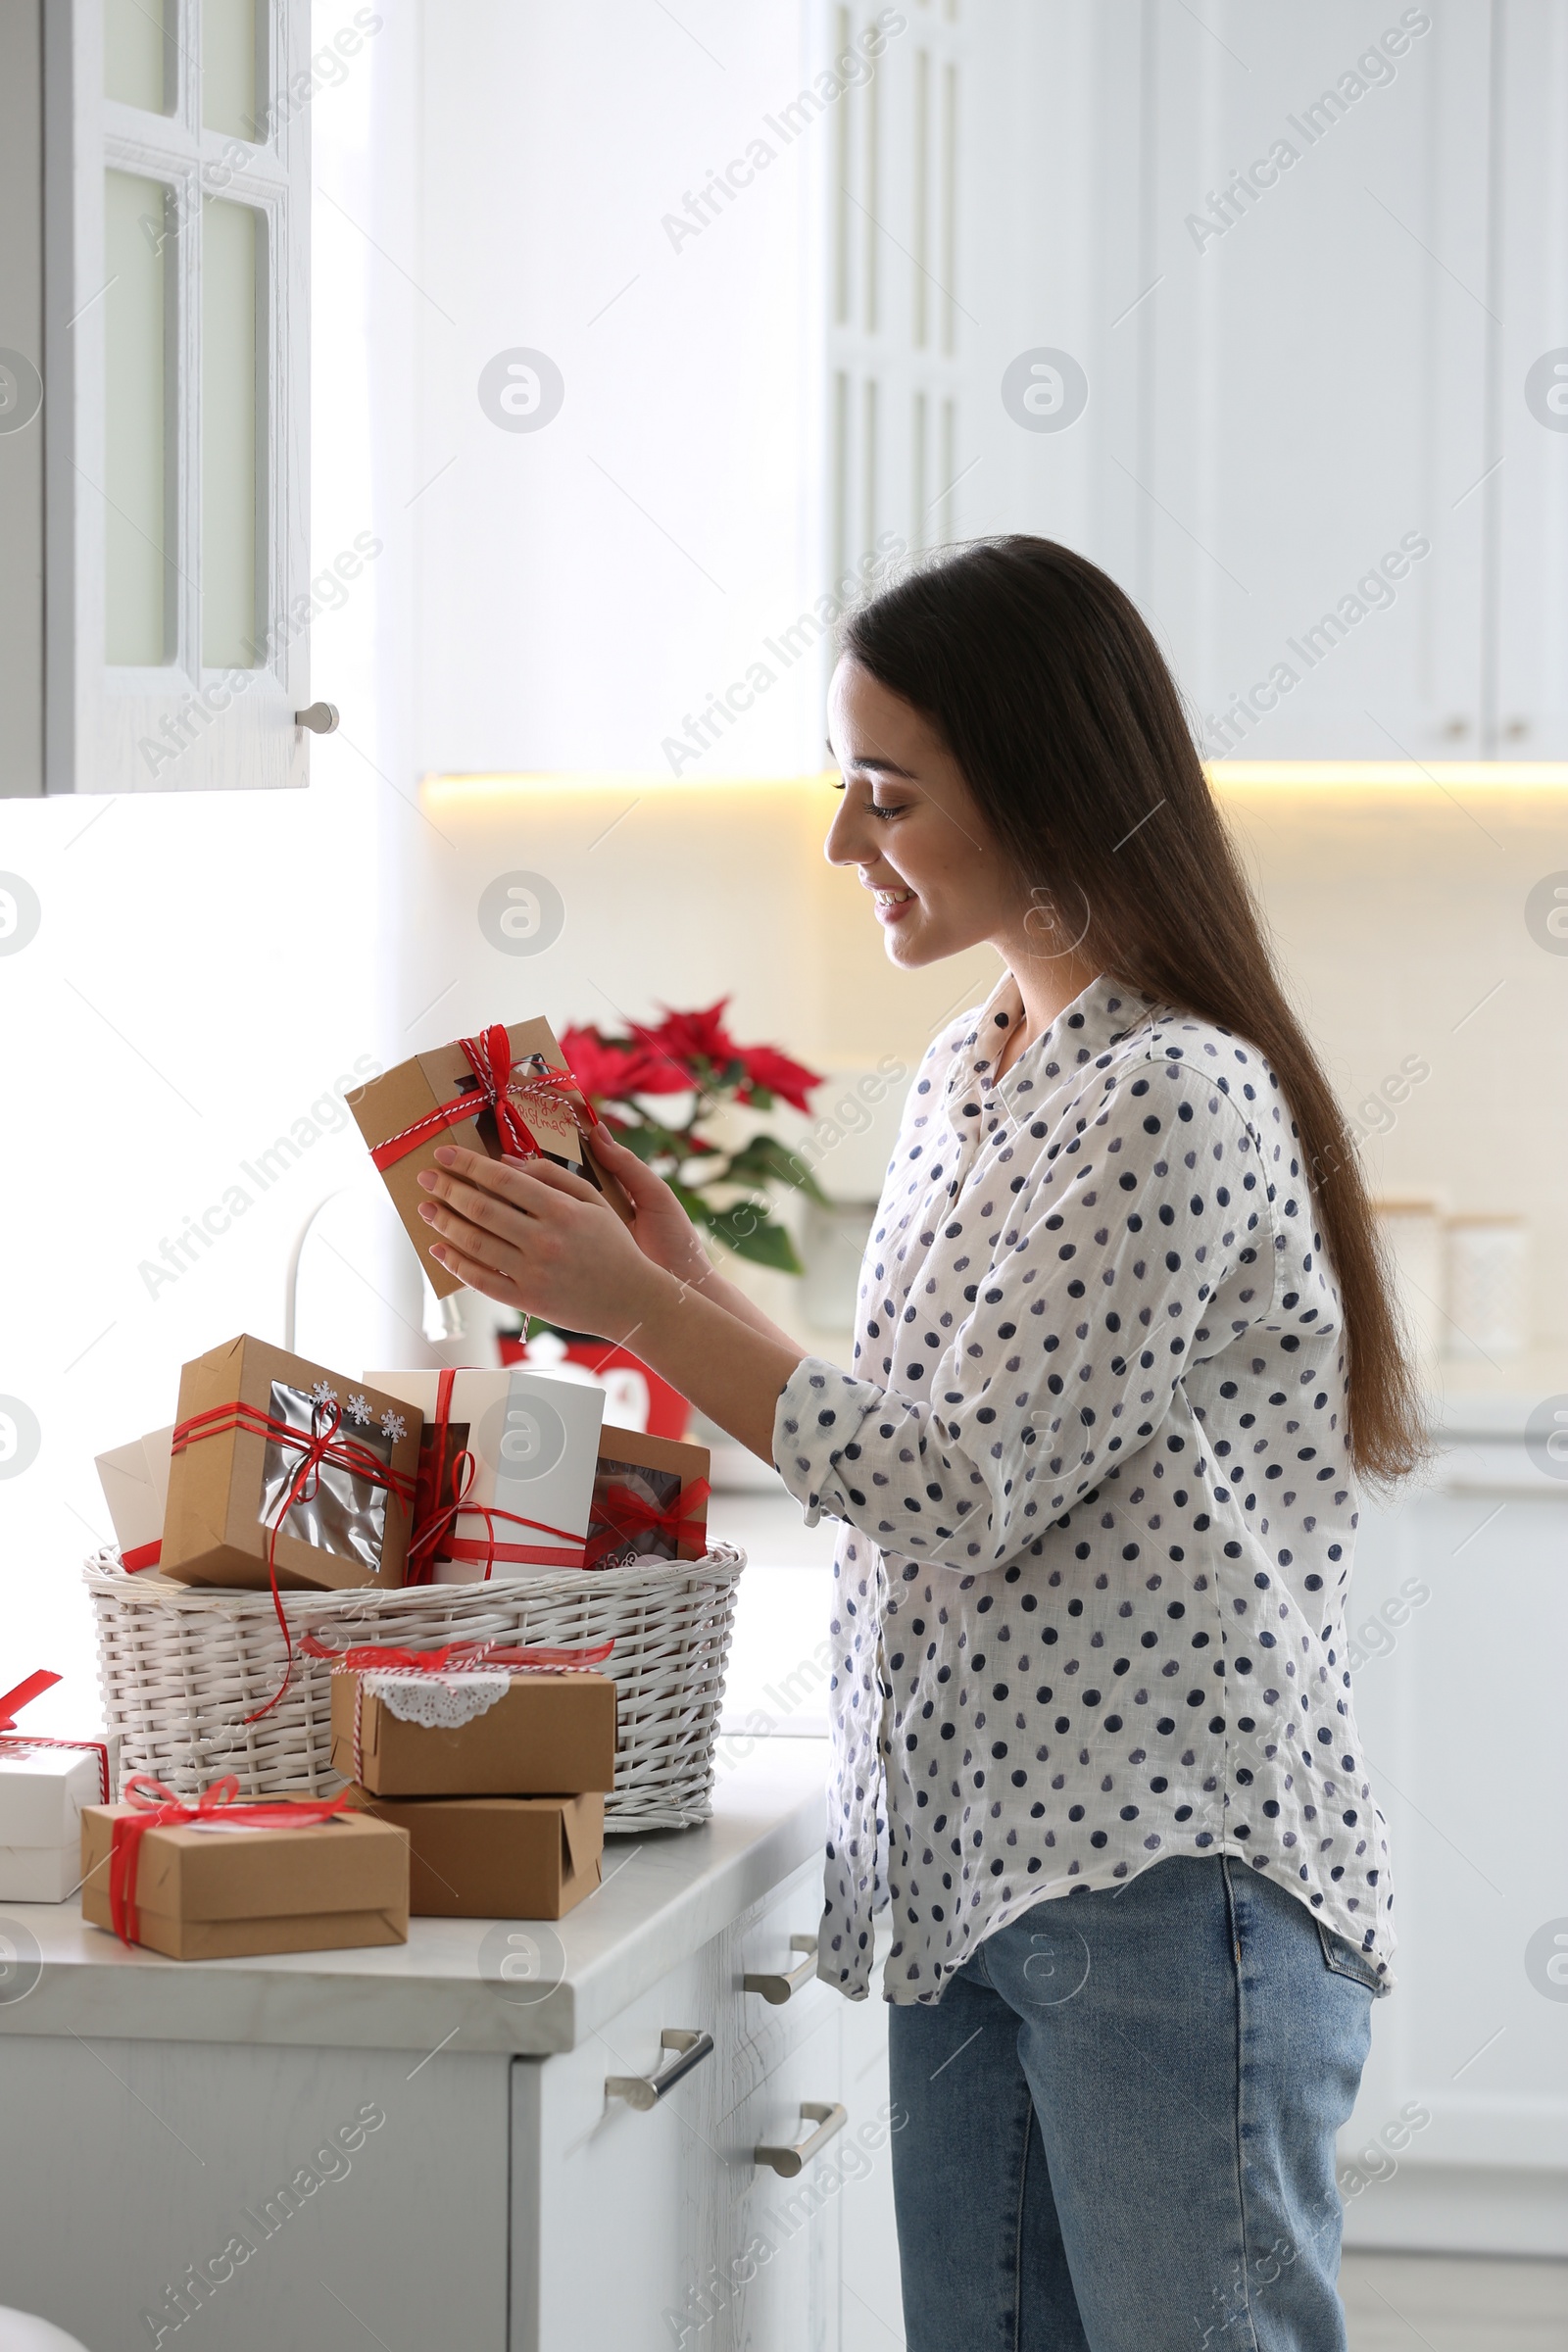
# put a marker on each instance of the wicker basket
(180, 1667)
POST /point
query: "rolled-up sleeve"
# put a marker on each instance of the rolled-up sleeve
(1138, 1239)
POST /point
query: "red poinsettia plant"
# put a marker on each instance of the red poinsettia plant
(656, 1087)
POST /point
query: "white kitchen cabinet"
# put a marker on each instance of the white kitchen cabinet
(711, 2247)
(1269, 406)
(178, 2122)
(871, 2308)
(162, 2192)
(155, 397)
(788, 2237)
(1460, 1616)
(616, 2214)
(1295, 373)
(1528, 614)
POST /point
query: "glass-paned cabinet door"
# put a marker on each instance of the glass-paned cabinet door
(175, 299)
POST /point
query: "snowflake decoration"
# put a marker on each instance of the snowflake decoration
(358, 1409)
(323, 1394)
(394, 1426)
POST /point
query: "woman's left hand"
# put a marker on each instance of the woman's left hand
(536, 1238)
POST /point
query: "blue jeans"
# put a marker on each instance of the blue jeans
(1120, 2125)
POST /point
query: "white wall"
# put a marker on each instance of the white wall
(1400, 925)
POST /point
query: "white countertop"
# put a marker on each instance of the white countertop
(663, 1896)
(1495, 1401)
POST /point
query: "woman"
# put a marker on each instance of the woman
(1124, 1347)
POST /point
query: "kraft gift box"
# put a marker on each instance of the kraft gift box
(136, 1482)
(497, 1858)
(532, 1443)
(547, 1735)
(228, 1489)
(650, 1498)
(491, 1093)
(44, 1788)
(215, 1892)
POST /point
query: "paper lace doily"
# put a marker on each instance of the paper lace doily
(439, 1702)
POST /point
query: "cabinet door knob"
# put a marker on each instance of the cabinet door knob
(829, 2118)
(646, 2090)
(321, 719)
(778, 1987)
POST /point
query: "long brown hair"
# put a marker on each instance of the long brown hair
(1054, 698)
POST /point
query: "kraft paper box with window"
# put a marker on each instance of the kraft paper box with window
(650, 1498)
(204, 1891)
(506, 1091)
(527, 1735)
(249, 1416)
(497, 1858)
(531, 1443)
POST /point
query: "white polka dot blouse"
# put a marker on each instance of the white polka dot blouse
(1089, 1590)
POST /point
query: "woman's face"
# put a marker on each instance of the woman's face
(909, 822)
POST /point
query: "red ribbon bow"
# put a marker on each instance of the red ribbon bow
(159, 1808)
(489, 1057)
(434, 1537)
(322, 1445)
(620, 1515)
(435, 1519)
(21, 1694)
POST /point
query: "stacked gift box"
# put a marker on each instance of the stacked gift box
(496, 1765)
(215, 1879)
(279, 1473)
(476, 1780)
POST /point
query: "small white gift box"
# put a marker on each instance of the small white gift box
(533, 1444)
(43, 1786)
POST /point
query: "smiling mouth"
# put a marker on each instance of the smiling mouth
(893, 905)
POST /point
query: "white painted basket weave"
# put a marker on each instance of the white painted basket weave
(180, 1667)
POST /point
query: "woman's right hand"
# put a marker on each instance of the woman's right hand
(663, 1231)
(667, 1235)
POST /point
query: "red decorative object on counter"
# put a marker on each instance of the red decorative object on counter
(635, 1398)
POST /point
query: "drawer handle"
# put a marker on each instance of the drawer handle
(778, 1987)
(829, 2118)
(646, 2090)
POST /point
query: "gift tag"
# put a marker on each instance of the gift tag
(546, 1116)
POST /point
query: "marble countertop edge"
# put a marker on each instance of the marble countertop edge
(664, 1896)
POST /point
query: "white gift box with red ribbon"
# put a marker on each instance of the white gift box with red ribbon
(43, 1786)
(506, 1475)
